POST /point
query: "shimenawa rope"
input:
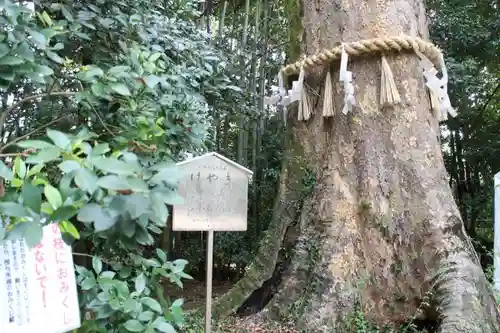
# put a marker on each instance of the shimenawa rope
(430, 58)
(367, 46)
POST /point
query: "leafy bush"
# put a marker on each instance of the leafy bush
(99, 99)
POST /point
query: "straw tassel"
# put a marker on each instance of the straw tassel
(436, 110)
(328, 106)
(389, 95)
(304, 106)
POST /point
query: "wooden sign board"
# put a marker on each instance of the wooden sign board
(37, 286)
(215, 192)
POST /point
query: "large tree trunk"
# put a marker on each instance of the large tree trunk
(380, 227)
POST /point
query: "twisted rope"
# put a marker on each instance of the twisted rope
(375, 45)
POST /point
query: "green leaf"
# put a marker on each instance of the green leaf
(154, 57)
(122, 288)
(46, 18)
(140, 283)
(151, 81)
(100, 149)
(53, 196)
(113, 165)
(88, 283)
(11, 61)
(8, 75)
(178, 303)
(134, 326)
(159, 209)
(129, 305)
(91, 73)
(35, 169)
(39, 39)
(169, 175)
(25, 51)
(2, 234)
(32, 196)
(152, 263)
(107, 22)
(185, 276)
(143, 237)
(32, 232)
(113, 182)
(45, 70)
(161, 254)
(20, 167)
(67, 15)
(90, 212)
(5, 172)
(137, 184)
(177, 314)
(180, 263)
(36, 77)
(108, 275)
(4, 50)
(120, 88)
(16, 182)
(117, 70)
(69, 228)
(37, 144)
(69, 165)
(146, 316)
(12, 209)
(164, 327)
(137, 204)
(97, 265)
(64, 213)
(98, 89)
(47, 208)
(60, 139)
(58, 46)
(86, 180)
(94, 213)
(44, 156)
(152, 304)
(127, 228)
(55, 57)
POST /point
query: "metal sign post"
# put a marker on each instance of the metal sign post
(210, 258)
(215, 192)
(496, 233)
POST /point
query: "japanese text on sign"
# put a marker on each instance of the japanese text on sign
(215, 196)
(37, 286)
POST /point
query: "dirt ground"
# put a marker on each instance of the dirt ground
(194, 291)
(193, 294)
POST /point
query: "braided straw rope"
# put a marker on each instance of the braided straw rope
(376, 45)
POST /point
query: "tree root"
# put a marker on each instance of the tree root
(287, 208)
(463, 302)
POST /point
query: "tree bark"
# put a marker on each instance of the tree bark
(380, 227)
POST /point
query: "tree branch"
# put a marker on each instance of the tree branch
(91, 256)
(484, 107)
(22, 137)
(3, 116)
